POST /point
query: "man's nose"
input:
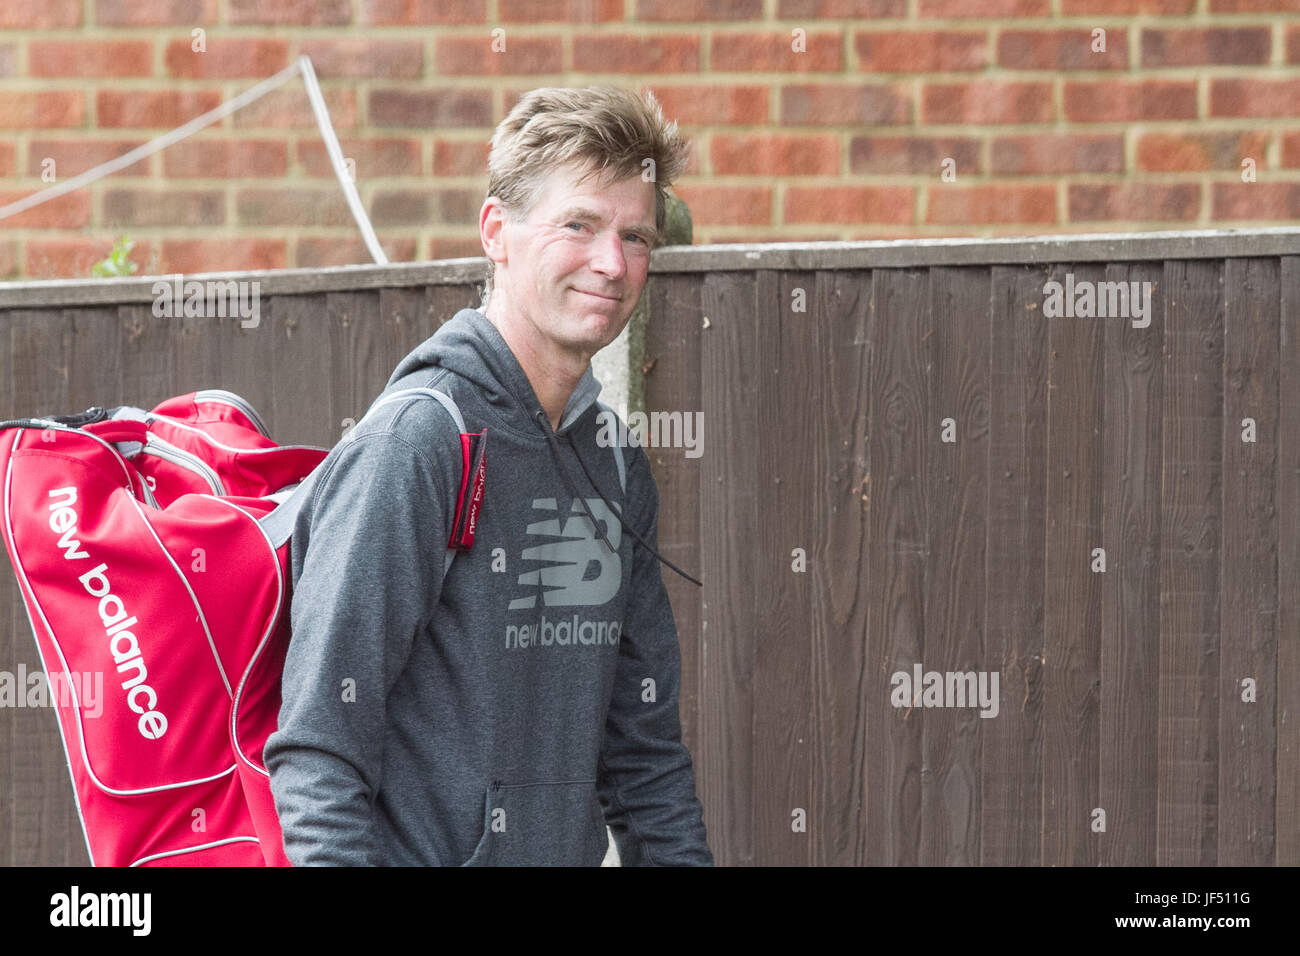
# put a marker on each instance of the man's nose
(608, 257)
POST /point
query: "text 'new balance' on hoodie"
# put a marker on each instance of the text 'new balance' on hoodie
(502, 715)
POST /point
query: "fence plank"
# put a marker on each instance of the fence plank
(792, 450)
(1011, 811)
(843, 683)
(1190, 564)
(955, 480)
(1248, 637)
(898, 324)
(146, 359)
(729, 517)
(1072, 601)
(1130, 623)
(1287, 720)
(358, 367)
(672, 381)
(301, 393)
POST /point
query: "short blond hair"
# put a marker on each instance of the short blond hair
(606, 130)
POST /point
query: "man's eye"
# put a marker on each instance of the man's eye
(578, 224)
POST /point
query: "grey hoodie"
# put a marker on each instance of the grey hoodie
(505, 714)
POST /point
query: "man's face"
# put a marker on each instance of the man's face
(573, 268)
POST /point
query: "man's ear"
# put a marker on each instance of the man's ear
(491, 229)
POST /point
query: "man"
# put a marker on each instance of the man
(505, 713)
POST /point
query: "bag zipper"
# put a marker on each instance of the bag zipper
(230, 398)
(169, 452)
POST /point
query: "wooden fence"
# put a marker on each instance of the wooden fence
(905, 463)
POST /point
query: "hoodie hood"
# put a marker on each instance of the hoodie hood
(470, 345)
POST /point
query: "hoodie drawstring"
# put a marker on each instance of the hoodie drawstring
(540, 417)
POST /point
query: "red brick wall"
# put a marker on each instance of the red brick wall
(845, 139)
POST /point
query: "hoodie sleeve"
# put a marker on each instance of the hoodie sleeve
(371, 574)
(646, 782)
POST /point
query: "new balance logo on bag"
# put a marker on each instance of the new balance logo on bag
(111, 520)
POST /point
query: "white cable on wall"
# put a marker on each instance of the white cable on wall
(336, 159)
(301, 66)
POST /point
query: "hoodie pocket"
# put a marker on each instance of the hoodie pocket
(541, 824)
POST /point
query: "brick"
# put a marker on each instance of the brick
(846, 104)
(1254, 97)
(317, 253)
(764, 154)
(226, 159)
(849, 204)
(164, 207)
(1134, 202)
(455, 247)
(72, 157)
(154, 13)
(195, 256)
(452, 158)
(559, 11)
(258, 206)
(314, 13)
(841, 9)
(475, 56)
(421, 207)
(712, 205)
(75, 257)
(1255, 201)
(40, 14)
(986, 102)
(227, 58)
(1255, 6)
(1061, 50)
(289, 108)
(95, 58)
(773, 52)
(372, 157)
(1175, 152)
(698, 11)
(983, 9)
(54, 108)
(364, 56)
(69, 211)
(1113, 101)
(1167, 8)
(625, 53)
(8, 59)
(1056, 153)
(920, 51)
(1217, 46)
(1291, 149)
(949, 203)
(714, 105)
(912, 155)
(9, 160)
(422, 12)
(152, 108)
(431, 108)
(1293, 45)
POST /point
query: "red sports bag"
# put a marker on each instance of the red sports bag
(152, 552)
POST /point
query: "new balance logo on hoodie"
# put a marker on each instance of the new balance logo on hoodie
(577, 569)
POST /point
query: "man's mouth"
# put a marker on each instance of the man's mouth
(597, 295)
